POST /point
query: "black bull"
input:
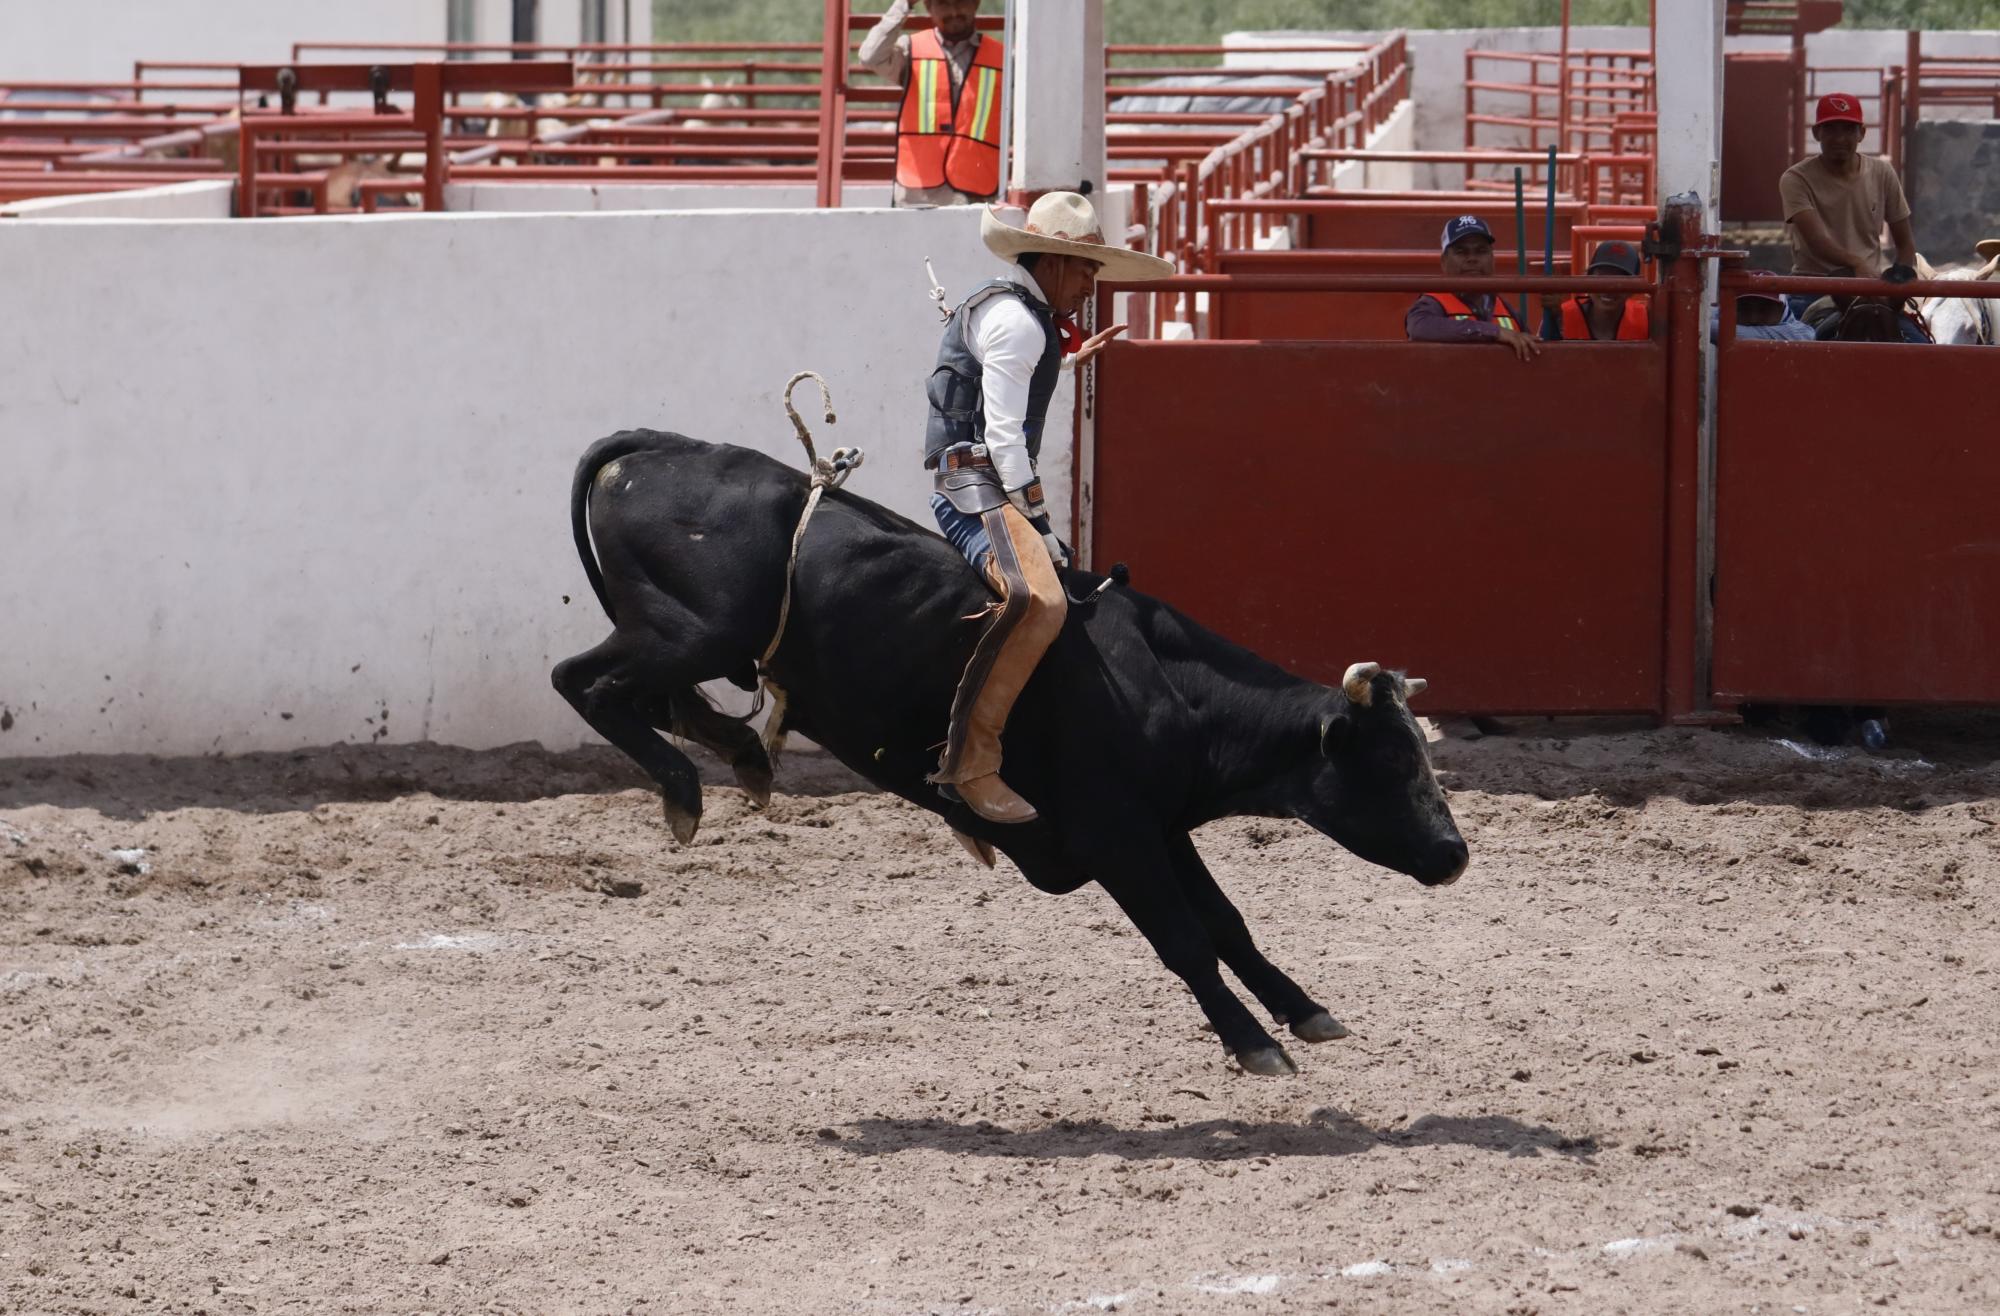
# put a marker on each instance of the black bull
(1138, 727)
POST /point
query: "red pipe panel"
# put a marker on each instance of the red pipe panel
(1404, 503)
(1857, 553)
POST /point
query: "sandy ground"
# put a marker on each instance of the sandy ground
(1710, 1026)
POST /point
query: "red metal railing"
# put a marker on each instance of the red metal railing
(1589, 103)
(791, 112)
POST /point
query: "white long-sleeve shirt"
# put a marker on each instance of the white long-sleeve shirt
(1007, 340)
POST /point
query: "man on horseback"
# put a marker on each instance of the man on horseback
(989, 397)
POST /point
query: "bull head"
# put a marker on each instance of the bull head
(1373, 789)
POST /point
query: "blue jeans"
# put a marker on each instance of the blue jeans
(966, 533)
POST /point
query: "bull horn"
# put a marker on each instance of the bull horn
(1414, 686)
(1357, 684)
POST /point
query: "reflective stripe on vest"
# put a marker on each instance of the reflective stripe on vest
(1503, 314)
(941, 139)
(1634, 325)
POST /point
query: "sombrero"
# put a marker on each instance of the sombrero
(1065, 224)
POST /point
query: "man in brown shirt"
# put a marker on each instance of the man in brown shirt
(1837, 202)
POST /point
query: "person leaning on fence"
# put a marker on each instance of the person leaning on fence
(1763, 315)
(1613, 316)
(1837, 202)
(1454, 317)
(948, 130)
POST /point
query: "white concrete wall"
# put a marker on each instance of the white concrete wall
(1397, 133)
(320, 466)
(79, 39)
(561, 21)
(211, 198)
(577, 198)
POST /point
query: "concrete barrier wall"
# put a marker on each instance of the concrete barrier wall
(580, 198)
(1397, 133)
(283, 484)
(212, 198)
(1953, 177)
(64, 39)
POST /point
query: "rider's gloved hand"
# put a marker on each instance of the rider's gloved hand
(1899, 274)
(1057, 553)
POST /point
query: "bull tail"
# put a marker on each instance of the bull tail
(599, 455)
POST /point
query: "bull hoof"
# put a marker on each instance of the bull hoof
(755, 779)
(979, 850)
(1267, 1062)
(680, 821)
(1321, 1027)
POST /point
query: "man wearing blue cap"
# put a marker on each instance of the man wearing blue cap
(1449, 317)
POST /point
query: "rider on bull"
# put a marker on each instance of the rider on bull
(989, 399)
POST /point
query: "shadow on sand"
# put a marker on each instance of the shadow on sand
(1327, 1132)
(132, 786)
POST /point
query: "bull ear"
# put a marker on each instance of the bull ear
(1333, 731)
(1414, 686)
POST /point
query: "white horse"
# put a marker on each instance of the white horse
(1966, 320)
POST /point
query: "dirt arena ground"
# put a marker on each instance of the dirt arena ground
(1710, 1026)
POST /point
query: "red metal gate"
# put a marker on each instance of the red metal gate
(1497, 527)
(1857, 524)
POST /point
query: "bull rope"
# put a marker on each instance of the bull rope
(826, 473)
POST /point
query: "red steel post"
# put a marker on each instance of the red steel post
(832, 103)
(246, 165)
(1685, 279)
(428, 98)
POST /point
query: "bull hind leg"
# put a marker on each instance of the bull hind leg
(690, 714)
(609, 686)
(1285, 999)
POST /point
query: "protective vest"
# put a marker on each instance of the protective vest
(957, 398)
(1635, 325)
(944, 139)
(1503, 314)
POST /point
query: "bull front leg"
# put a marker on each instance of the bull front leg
(1285, 999)
(1168, 920)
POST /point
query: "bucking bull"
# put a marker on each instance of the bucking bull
(1138, 727)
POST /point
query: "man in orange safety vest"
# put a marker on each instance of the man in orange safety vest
(948, 129)
(1453, 317)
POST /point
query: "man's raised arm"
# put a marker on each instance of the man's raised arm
(885, 52)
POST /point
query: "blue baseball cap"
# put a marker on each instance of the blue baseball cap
(1465, 226)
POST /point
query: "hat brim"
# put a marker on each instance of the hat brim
(1988, 249)
(1855, 119)
(1119, 264)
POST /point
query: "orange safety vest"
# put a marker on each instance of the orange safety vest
(1503, 314)
(1635, 325)
(944, 140)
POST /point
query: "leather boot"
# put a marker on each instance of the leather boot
(1021, 572)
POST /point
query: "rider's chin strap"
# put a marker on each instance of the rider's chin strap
(827, 473)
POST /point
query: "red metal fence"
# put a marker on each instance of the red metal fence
(1530, 535)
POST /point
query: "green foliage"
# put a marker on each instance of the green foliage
(1204, 21)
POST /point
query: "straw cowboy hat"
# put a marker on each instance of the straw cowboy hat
(1989, 251)
(1065, 224)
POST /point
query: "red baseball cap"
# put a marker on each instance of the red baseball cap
(1839, 108)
